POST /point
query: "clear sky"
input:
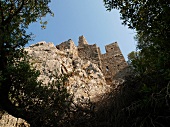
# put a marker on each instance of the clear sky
(73, 18)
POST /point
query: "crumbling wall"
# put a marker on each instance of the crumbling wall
(82, 41)
(68, 47)
(87, 80)
(112, 63)
(91, 53)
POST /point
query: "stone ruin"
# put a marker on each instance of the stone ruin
(112, 63)
(92, 72)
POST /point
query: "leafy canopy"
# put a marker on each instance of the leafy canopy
(150, 18)
(150, 65)
(16, 15)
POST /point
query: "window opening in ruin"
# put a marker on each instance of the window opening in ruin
(107, 68)
(118, 67)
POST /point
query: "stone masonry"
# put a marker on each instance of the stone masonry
(112, 63)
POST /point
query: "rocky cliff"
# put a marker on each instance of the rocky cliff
(86, 81)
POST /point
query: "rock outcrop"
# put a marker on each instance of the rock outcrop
(91, 73)
(86, 80)
(7, 120)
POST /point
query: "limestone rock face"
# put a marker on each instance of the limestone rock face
(9, 121)
(86, 83)
(86, 80)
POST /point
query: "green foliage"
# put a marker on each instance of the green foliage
(45, 105)
(21, 94)
(141, 14)
(40, 104)
(150, 19)
(149, 80)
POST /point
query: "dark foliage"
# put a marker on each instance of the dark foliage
(149, 82)
(21, 95)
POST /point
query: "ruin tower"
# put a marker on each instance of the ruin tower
(69, 47)
(113, 63)
(82, 41)
(89, 52)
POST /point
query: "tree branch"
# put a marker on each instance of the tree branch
(8, 20)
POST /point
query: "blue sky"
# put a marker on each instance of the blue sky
(73, 18)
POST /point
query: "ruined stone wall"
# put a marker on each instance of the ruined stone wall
(112, 63)
(82, 41)
(69, 47)
(91, 53)
(88, 80)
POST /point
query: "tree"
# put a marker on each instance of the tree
(150, 19)
(151, 70)
(21, 95)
